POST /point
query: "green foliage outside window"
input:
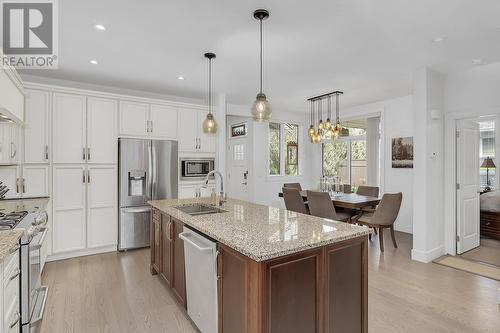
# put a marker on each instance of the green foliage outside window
(274, 149)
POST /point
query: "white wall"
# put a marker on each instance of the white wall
(396, 117)
(266, 188)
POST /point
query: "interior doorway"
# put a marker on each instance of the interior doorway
(478, 195)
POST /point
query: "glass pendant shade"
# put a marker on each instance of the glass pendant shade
(310, 131)
(316, 137)
(209, 124)
(328, 124)
(261, 109)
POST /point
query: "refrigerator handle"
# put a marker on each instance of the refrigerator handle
(150, 171)
(154, 175)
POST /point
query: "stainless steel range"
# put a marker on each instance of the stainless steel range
(33, 294)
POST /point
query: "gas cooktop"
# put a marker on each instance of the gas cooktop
(11, 219)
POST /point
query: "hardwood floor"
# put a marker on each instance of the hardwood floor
(115, 292)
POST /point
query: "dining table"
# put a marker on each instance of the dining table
(346, 200)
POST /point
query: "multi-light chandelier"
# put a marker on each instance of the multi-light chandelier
(324, 130)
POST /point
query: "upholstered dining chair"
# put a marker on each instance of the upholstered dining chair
(383, 217)
(321, 205)
(369, 191)
(347, 188)
(293, 185)
(294, 201)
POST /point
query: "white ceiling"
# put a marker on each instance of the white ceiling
(367, 48)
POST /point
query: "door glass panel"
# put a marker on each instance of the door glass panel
(335, 161)
(358, 163)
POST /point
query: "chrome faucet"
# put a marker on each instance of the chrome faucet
(222, 195)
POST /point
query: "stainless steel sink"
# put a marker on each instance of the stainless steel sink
(199, 209)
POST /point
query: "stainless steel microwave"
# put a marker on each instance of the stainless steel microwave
(196, 168)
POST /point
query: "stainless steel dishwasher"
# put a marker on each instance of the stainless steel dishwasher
(201, 279)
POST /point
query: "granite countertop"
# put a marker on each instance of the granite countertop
(8, 239)
(261, 232)
(29, 204)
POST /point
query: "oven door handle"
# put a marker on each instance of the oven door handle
(40, 243)
(39, 316)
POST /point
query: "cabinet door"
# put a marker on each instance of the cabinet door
(36, 128)
(156, 244)
(9, 144)
(134, 118)
(68, 230)
(188, 191)
(206, 142)
(178, 282)
(101, 130)
(35, 181)
(102, 226)
(163, 121)
(188, 130)
(166, 249)
(68, 138)
(9, 175)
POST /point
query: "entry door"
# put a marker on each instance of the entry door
(468, 186)
(239, 169)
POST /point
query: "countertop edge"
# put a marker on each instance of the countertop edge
(8, 239)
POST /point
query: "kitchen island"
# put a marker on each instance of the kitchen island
(279, 271)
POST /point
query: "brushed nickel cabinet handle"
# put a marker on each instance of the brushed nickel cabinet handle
(14, 150)
(17, 272)
(47, 152)
(83, 153)
(88, 176)
(14, 248)
(23, 185)
(83, 179)
(14, 323)
(88, 154)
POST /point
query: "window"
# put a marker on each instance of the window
(346, 157)
(283, 149)
(487, 149)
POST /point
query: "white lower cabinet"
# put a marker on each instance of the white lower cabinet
(9, 293)
(68, 231)
(84, 207)
(102, 227)
(9, 144)
(196, 190)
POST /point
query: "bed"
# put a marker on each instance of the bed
(490, 214)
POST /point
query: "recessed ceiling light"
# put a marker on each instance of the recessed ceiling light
(180, 77)
(477, 61)
(438, 39)
(99, 27)
(93, 62)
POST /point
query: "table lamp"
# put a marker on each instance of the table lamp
(488, 164)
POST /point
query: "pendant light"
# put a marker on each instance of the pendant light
(328, 124)
(317, 136)
(261, 109)
(311, 130)
(337, 130)
(209, 124)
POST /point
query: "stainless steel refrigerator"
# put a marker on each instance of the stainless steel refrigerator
(147, 170)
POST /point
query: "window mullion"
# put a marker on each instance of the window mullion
(282, 149)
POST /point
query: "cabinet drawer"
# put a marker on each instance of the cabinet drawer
(490, 224)
(12, 318)
(11, 290)
(11, 267)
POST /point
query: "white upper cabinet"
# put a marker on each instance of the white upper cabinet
(206, 142)
(134, 118)
(11, 94)
(10, 177)
(9, 144)
(191, 136)
(163, 121)
(36, 129)
(188, 130)
(101, 130)
(35, 181)
(68, 138)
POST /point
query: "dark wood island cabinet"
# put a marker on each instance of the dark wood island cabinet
(318, 289)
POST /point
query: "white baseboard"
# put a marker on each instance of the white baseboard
(427, 256)
(81, 253)
(406, 228)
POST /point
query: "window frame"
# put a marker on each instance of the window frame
(349, 140)
(283, 152)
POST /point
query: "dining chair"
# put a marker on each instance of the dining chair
(293, 185)
(321, 205)
(369, 191)
(347, 188)
(294, 201)
(383, 217)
